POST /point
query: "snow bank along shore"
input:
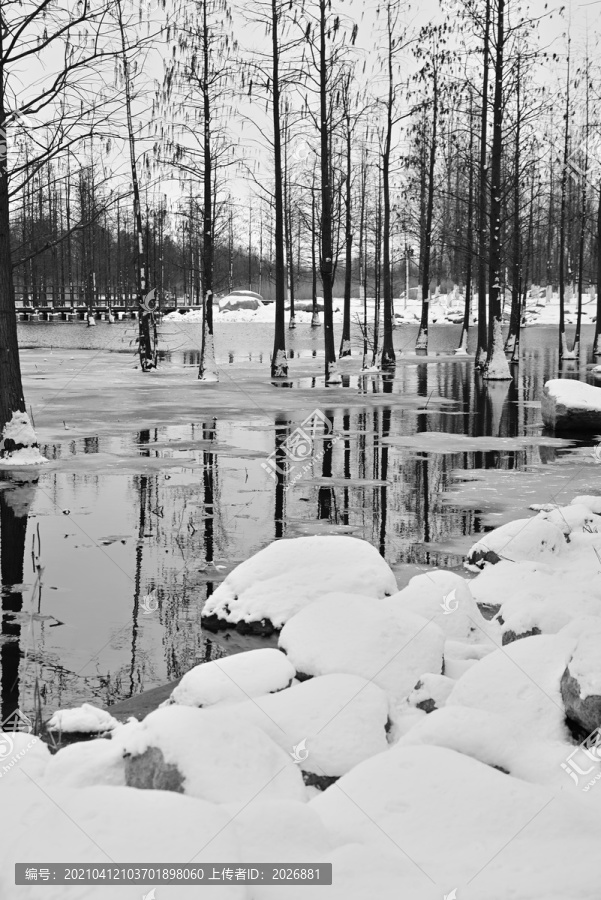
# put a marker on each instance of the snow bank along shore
(400, 735)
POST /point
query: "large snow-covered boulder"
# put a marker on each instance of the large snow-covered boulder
(445, 598)
(523, 539)
(86, 764)
(482, 734)
(571, 405)
(466, 824)
(376, 639)
(263, 592)
(234, 678)
(22, 756)
(326, 725)
(193, 751)
(99, 825)
(521, 681)
(581, 683)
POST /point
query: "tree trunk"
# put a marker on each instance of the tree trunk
(563, 347)
(388, 356)
(597, 341)
(315, 313)
(326, 262)
(279, 360)
(482, 325)
(207, 370)
(146, 347)
(345, 342)
(497, 367)
(422, 336)
(12, 400)
(462, 347)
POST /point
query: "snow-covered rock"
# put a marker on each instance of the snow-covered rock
(581, 683)
(234, 678)
(466, 824)
(19, 444)
(327, 724)
(86, 764)
(266, 590)
(431, 692)
(575, 517)
(590, 501)
(84, 719)
(99, 825)
(24, 753)
(485, 735)
(197, 752)
(521, 681)
(523, 539)
(571, 405)
(376, 639)
(445, 598)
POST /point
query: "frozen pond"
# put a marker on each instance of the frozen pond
(156, 485)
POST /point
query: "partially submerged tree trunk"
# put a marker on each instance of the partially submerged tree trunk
(563, 346)
(207, 370)
(597, 341)
(465, 327)
(327, 251)
(497, 367)
(482, 204)
(345, 341)
(146, 331)
(279, 359)
(16, 430)
(422, 336)
(388, 356)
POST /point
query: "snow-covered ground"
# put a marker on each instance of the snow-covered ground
(444, 308)
(422, 749)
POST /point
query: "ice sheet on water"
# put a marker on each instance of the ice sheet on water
(443, 442)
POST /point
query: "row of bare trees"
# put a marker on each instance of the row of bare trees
(444, 160)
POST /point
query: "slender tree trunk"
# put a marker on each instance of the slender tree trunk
(146, 346)
(563, 347)
(462, 347)
(345, 342)
(279, 360)
(327, 252)
(516, 267)
(207, 371)
(597, 340)
(497, 367)
(388, 355)
(422, 336)
(315, 313)
(482, 204)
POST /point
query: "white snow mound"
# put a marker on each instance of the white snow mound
(278, 581)
(376, 639)
(234, 678)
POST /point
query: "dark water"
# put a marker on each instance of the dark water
(419, 464)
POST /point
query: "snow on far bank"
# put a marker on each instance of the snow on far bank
(287, 575)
